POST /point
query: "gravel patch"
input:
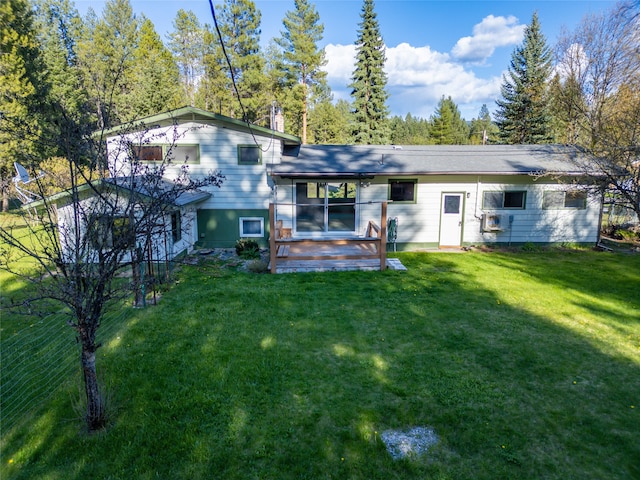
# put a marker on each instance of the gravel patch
(409, 443)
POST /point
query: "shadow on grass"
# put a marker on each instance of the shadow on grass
(295, 376)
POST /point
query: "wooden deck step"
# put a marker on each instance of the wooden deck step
(283, 251)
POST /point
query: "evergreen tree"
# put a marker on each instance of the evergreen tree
(369, 82)
(523, 116)
(23, 89)
(483, 130)
(410, 130)
(301, 62)
(447, 125)
(329, 122)
(58, 27)
(186, 42)
(211, 94)
(106, 54)
(153, 82)
(239, 25)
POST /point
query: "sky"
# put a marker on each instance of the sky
(434, 48)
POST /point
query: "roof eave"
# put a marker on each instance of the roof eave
(194, 114)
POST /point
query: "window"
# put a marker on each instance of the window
(176, 227)
(251, 227)
(500, 200)
(325, 207)
(148, 153)
(110, 231)
(183, 154)
(180, 154)
(558, 199)
(249, 155)
(402, 190)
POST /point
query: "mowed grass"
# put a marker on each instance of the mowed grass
(526, 366)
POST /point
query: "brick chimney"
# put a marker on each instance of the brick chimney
(277, 119)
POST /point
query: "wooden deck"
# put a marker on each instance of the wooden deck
(328, 254)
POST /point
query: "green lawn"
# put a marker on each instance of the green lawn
(526, 366)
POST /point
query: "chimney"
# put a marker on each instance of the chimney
(277, 119)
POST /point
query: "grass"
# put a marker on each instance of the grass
(526, 365)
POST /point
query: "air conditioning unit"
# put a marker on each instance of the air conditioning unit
(492, 222)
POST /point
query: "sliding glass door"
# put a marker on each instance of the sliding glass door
(325, 207)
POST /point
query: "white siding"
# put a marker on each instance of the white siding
(419, 222)
(244, 186)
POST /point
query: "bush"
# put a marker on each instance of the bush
(625, 232)
(247, 248)
(257, 266)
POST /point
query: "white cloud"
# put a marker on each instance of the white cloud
(340, 61)
(490, 33)
(417, 78)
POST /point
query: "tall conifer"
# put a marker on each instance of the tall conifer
(369, 82)
(522, 114)
(239, 23)
(302, 60)
(23, 88)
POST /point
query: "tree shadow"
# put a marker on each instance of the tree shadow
(296, 376)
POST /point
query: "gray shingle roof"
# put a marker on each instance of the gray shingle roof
(372, 160)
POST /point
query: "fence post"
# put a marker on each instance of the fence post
(272, 238)
(383, 236)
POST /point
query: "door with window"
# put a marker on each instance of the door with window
(325, 208)
(451, 219)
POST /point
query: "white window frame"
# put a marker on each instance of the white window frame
(251, 219)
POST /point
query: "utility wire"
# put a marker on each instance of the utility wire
(233, 81)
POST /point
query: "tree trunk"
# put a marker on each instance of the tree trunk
(96, 415)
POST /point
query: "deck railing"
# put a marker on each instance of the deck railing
(284, 247)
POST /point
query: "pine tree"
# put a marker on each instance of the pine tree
(447, 125)
(153, 83)
(302, 60)
(186, 42)
(522, 114)
(106, 57)
(483, 130)
(369, 82)
(23, 88)
(58, 27)
(239, 24)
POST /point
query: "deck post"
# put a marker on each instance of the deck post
(272, 238)
(383, 236)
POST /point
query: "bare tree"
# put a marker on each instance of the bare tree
(81, 239)
(598, 97)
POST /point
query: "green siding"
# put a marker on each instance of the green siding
(221, 228)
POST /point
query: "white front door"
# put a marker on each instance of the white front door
(451, 219)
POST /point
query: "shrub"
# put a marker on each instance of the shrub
(247, 248)
(257, 266)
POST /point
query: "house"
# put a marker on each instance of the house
(438, 196)
(441, 196)
(104, 210)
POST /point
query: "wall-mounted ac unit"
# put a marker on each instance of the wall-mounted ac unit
(492, 222)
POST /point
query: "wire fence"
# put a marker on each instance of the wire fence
(37, 358)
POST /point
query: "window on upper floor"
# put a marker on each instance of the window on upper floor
(504, 200)
(249, 154)
(180, 154)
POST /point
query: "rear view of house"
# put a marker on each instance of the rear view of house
(438, 196)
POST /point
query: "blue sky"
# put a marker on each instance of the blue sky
(457, 48)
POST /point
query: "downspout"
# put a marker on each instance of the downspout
(475, 208)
